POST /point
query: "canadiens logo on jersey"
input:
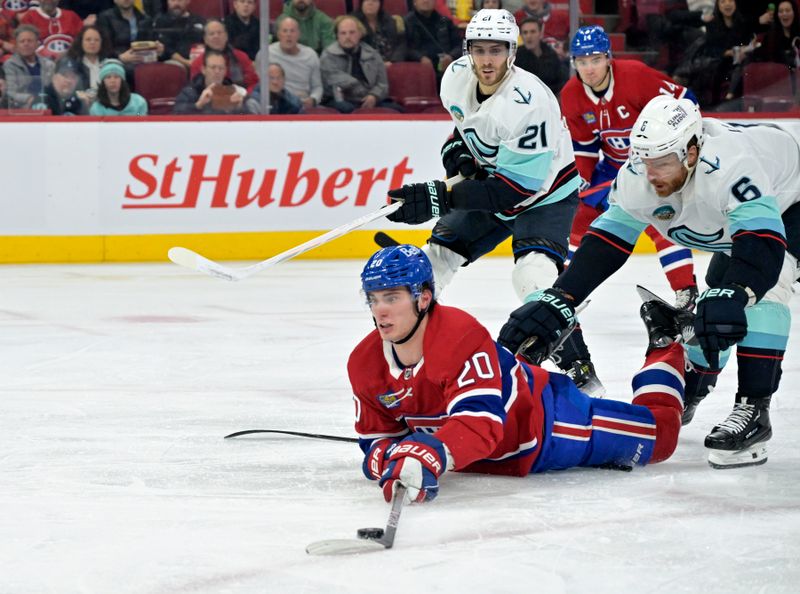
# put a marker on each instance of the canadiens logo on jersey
(392, 399)
(616, 143)
(18, 6)
(589, 117)
(664, 213)
(54, 46)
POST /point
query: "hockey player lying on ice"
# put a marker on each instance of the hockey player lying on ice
(434, 393)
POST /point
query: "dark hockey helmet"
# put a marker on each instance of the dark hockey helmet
(398, 266)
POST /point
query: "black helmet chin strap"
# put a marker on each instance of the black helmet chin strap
(420, 315)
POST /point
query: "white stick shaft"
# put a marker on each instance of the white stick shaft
(193, 260)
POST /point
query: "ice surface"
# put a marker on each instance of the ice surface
(119, 381)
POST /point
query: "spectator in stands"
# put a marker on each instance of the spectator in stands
(89, 50)
(240, 68)
(210, 92)
(682, 27)
(5, 102)
(180, 32)
(6, 36)
(782, 42)
(491, 4)
(555, 22)
(243, 27)
(316, 27)
(27, 73)
(123, 24)
(758, 14)
(539, 58)
(57, 27)
(729, 39)
(432, 38)
(385, 32)
(299, 62)
(60, 95)
(12, 10)
(114, 97)
(86, 9)
(281, 100)
(353, 73)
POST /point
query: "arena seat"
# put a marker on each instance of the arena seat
(767, 86)
(208, 8)
(159, 84)
(413, 85)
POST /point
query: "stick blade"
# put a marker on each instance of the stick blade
(194, 261)
(647, 295)
(344, 546)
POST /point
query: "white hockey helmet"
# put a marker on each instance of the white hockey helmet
(493, 24)
(666, 125)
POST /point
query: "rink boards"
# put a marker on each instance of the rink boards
(127, 189)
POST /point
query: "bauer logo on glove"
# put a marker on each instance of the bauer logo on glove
(421, 202)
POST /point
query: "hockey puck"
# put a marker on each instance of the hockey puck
(370, 533)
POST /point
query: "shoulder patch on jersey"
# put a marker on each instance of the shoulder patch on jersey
(457, 112)
(392, 399)
(589, 117)
(523, 98)
(712, 167)
(664, 213)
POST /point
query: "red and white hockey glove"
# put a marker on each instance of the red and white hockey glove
(417, 462)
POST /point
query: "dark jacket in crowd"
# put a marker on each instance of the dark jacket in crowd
(548, 67)
(58, 106)
(430, 36)
(186, 99)
(178, 34)
(243, 36)
(118, 30)
(389, 38)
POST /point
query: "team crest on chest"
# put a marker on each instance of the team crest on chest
(589, 117)
(457, 112)
(392, 399)
(664, 213)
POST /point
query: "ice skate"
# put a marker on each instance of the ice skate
(740, 440)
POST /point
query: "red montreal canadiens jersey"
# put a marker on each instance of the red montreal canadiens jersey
(475, 396)
(604, 124)
(56, 33)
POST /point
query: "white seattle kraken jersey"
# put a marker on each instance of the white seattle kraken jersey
(517, 133)
(746, 177)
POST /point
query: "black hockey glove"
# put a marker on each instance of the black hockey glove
(720, 322)
(422, 202)
(456, 158)
(537, 328)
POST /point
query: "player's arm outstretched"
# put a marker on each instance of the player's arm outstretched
(549, 313)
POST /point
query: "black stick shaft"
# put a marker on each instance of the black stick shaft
(296, 434)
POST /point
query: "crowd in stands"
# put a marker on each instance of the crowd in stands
(87, 56)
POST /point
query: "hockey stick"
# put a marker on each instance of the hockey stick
(189, 259)
(384, 240)
(295, 433)
(369, 539)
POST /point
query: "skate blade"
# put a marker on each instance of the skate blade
(724, 459)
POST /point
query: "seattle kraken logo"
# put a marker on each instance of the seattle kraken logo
(484, 151)
(702, 241)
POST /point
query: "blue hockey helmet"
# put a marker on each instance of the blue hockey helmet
(590, 40)
(398, 266)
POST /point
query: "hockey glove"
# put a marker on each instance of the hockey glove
(456, 158)
(422, 202)
(377, 457)
(720, 322)
(416, 463)
(537, 328)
